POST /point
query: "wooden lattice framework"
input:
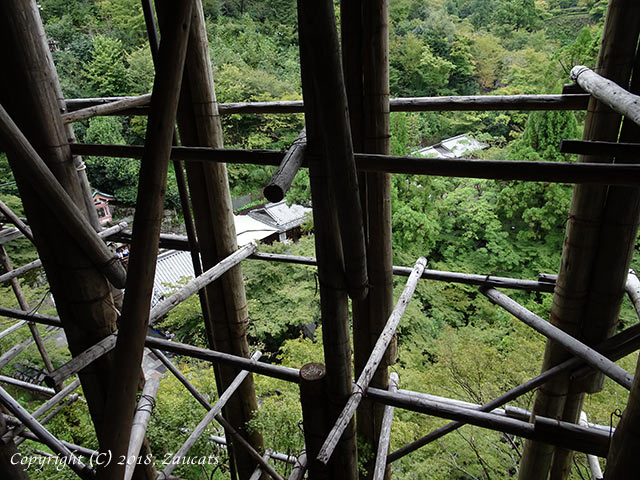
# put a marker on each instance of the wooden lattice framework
(345, 146)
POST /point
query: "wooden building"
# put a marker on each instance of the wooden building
(346, 149)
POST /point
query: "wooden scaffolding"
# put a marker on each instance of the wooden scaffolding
(345, 146)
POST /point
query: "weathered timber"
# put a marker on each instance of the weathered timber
(85, 452)
(282, 457)
(142, 259)
(588, 354)
(213, 412)
(544, 429)
(594, 463)
(81, 361)
(385, 434)
(372, 364)
(553, 172)
(614, 348)
(44, 408)
(8, 452)
(22, 302)
(415, 104)
(257, 473)
(584, 304)
(300, 467)
(16, 272)
(321, 51)
(202, 281)
(440, 275)
(315, 416)
(13, 328)
(140, 422)
(53, 443)
(68, 214)
(227, 315)
(106, 108)
(608, 92)
(27, 386)
(281, 181)
(334, 309)
(35, 317)
(592, 147)
(17, 221)
(632, 287)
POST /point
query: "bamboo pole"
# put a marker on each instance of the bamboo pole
(416, 104)
(20, 225)
(552, 172)
(212, 414)
(22, 302)
(51, 191)
(140, 422)
(608, 92)
(375, 358)
(281, 181)
(613, 348)
(579, 349)
(317, 27)
(142, 259)
(53, 443)
(315, 416)
(385, 434)
(44, 408)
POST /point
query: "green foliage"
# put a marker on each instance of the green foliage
(106, 71)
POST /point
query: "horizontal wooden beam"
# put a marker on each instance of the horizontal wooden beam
(107, 108)
(553, 172)
(27, 386)
(417, 104)
(592, 147)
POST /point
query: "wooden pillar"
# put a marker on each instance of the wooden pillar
(121, 400)
(8, 455)
(28, 93)
(227, 315)
(317, 18)
(316, 418)
(587, 296)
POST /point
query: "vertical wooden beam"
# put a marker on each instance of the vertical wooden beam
(226, 310)
(577, 288)
(316, 417)
(28, 92)
(331, 270)
(121, 400)
(8, 453)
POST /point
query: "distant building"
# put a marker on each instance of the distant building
(101, 202)
(454, 147)
(285, 219)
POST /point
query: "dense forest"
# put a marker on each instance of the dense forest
(452, 341)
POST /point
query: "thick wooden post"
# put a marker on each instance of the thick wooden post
(586, 299)
(121, 400)
(226, 310)
(8, 455)
(28, 93)
(316, 417)
(331, 269)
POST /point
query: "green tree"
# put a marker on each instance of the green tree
(106, 72)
